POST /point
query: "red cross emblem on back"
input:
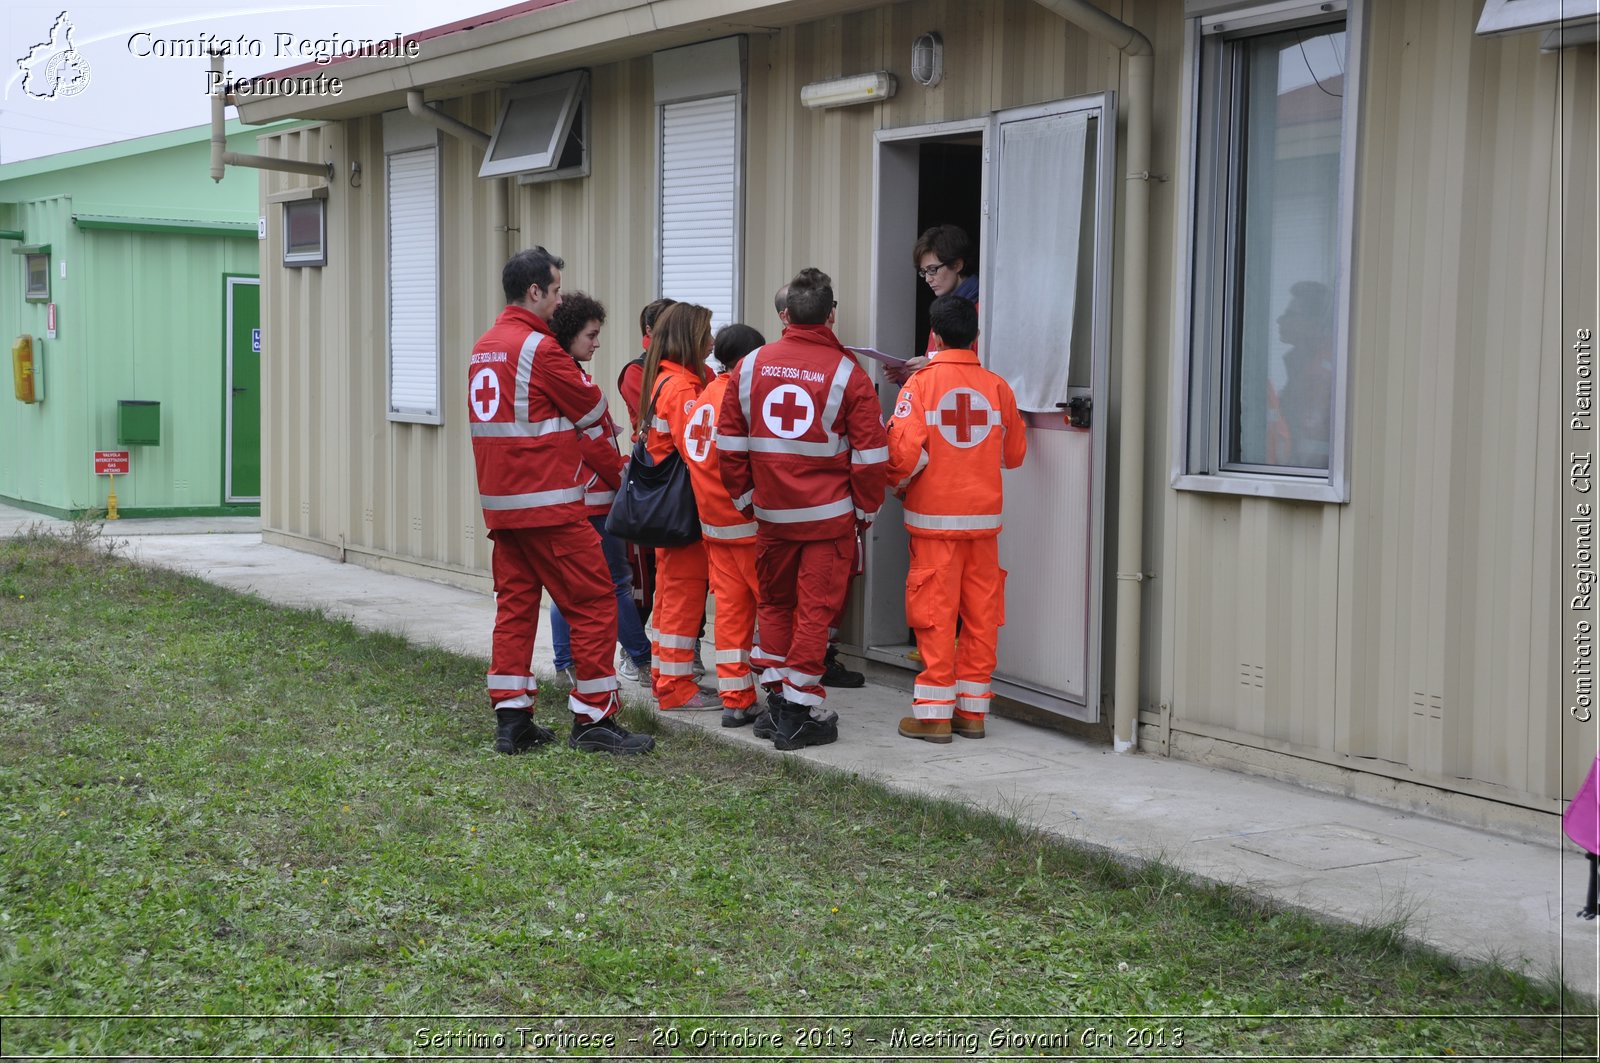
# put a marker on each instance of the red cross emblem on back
(485, 392)
(701, 433)
(788, 411)
(964, 417)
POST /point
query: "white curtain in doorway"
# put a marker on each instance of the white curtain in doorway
(1033, 276)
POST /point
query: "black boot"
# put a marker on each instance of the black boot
(608, 736)
(795, 728)
(835, 674)
(1588, 910)
(517, 733)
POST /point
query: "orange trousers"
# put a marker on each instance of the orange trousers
(733, 585)
(681, 582)
(953, 578)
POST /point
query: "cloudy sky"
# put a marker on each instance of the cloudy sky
(125, 86)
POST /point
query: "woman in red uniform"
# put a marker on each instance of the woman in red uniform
(674, 374)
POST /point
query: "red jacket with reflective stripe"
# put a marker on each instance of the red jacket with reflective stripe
(800, 438)
(527, 406)
(955, 425)
(720, 522)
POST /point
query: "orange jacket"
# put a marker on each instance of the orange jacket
(955, 425)
(719, 521)
(676, 389)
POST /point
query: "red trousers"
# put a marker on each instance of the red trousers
(802, 587)
(681, 581)
(566, 561)
(952, 578)
(733, 585)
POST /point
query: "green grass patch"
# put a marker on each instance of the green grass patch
(295, 834)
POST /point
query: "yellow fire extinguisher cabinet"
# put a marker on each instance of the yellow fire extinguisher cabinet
(25, 370)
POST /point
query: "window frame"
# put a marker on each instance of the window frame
(397, 143)
(301, 259)
(1199, 351)
(572, 120)
(31, 294)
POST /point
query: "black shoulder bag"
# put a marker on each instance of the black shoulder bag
(655, 504)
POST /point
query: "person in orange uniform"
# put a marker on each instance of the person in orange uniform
(801, 443)
(955, 425)
(730, 536)
(529, 408)
(673, 379)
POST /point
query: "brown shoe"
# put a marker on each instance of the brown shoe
(928, 730)
(966, 728)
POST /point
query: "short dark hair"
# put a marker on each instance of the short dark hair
(810, 297)
(950, 243)
(735, 341)
(780, 300)
(955, 320)
(651, 311)
(573, 316)
(527, 268)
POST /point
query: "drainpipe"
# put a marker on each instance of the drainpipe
(221, 157)
(499, 195)
(1135, 266)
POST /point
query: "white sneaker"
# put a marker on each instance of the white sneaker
(633, 673)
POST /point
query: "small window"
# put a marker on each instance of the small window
(542, 134)
(305, 233)
(1518, 16)
(38, 277)
(1267, 364)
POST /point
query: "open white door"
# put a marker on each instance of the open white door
(1045, 306)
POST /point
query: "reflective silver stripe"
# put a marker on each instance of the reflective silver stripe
(675, 667)
(925, 693)
(756, 653)
(678, 642)
(508, 682)
(841, 376)
(940, 522)
(971, 704)
(522, 429)
(800, 697)
(732, 657)
(521, 701)
(599, 498)
(733, 444)
(869, 457)
(742, 503)
(519, 396)
(832, 447)
(802, 679)
(589, 713)
(932, 417)
(661, 426)
(597, 431)
(595, 686)
(922, 463)
(743, 682)
(964, 687)
(771, 675)
(797, 516)
(747, 374)
(531, 500)
(593, 415)
(729, 531)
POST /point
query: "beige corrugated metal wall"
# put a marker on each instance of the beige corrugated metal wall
(1415, 631)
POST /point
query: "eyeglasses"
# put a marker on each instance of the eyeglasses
(927, 273)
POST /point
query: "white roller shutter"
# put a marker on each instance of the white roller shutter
(699, 203)
(413, 180)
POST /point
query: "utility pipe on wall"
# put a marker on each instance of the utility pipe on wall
(221, 157)
(500, 192)
(1135, 297)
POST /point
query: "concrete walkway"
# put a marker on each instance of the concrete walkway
(1467, 892)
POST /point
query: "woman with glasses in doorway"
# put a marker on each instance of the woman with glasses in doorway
(948, 264)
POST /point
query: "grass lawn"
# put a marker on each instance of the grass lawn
(276, 835)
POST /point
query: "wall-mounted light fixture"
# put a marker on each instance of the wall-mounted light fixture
(843, 92)
(927, 59)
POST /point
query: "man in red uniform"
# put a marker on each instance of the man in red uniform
(802, 450)
(529, 407)
(954, 426)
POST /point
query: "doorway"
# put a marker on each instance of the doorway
(1032, 187)
(242, 389)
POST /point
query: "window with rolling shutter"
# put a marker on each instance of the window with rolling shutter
(699, 203)
(413, 183)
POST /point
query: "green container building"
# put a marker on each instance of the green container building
(147, 274)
